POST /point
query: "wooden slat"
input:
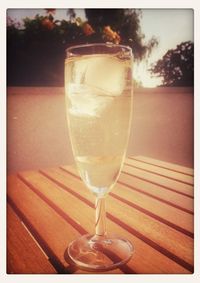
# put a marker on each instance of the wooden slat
(132, 218)
(173, 198)
(160, 171)
(84, 215)
(51, 231)
(23, 254)
(159, 180)
(150, 209)
(151, 206)
(155, 191)
(166, 165)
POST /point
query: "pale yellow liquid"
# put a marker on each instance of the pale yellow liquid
(99, 126)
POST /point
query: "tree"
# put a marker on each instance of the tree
(177, 66)
(36, 51)
(126, 23)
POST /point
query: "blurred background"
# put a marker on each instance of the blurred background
(163, 48)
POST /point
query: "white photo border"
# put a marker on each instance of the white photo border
(195, 277)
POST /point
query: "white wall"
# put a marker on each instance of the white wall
(37, 136)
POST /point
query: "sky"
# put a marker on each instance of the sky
(169, 26)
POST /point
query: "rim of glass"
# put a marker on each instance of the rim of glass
(108, 44)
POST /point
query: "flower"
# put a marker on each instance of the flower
(109, 34)
(78, 21)
(47, 23)
(87, 29)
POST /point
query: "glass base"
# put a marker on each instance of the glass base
(99, 253)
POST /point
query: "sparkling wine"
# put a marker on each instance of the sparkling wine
(98, 91)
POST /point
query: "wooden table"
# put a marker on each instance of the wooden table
(151, 205)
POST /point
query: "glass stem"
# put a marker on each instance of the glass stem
(100, 223)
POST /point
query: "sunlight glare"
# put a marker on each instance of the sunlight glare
(141, 74)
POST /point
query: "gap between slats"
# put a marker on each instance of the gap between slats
(149, 213)
(163, 182)
(159, 184)
(156, 246)
(66, 217)
(158, 163)
(157, 198)
(22, 244)
(52, 257)
(159, 174)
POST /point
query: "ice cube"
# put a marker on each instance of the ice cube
(86, 101)
(106, 73)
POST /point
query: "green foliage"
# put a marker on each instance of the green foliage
(36, 52)
(177, 66)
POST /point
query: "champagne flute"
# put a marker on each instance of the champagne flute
(98, 88)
